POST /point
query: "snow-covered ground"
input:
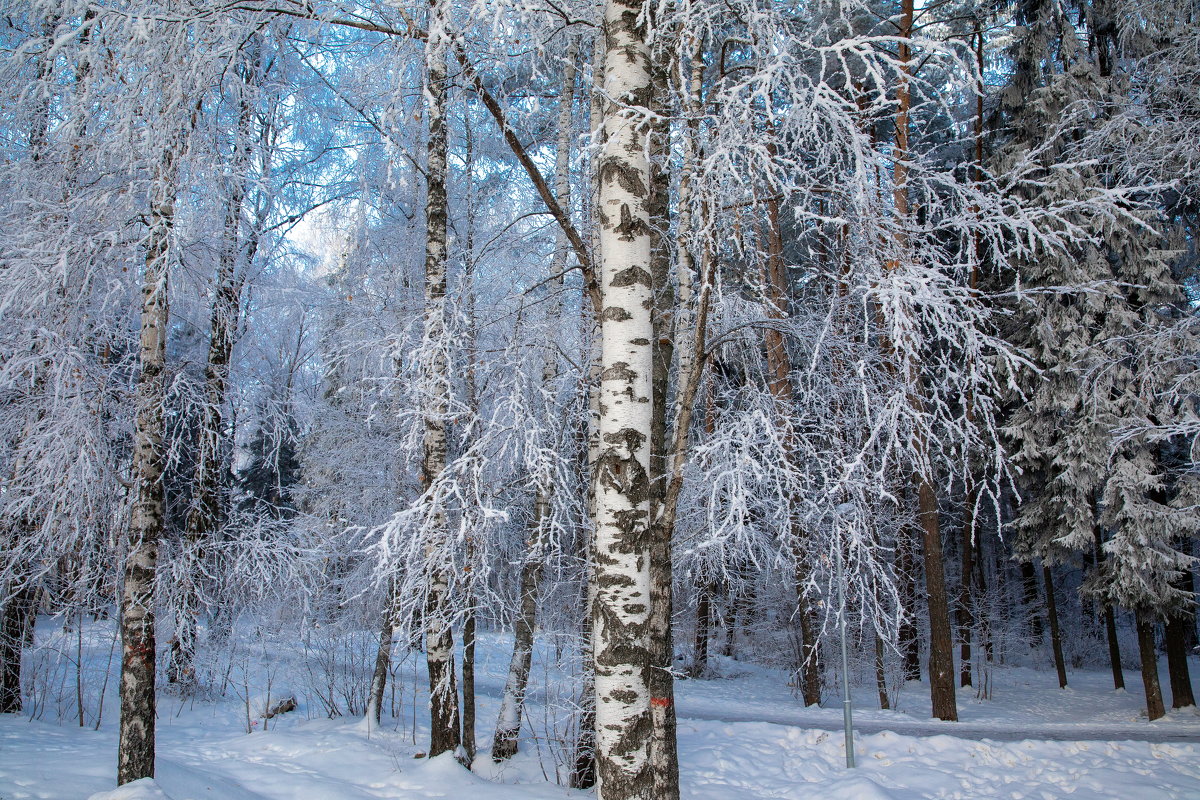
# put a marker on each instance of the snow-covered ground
(741, 735)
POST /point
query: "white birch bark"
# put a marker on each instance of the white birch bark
(621, 610)
(445, 734)
(135, 749)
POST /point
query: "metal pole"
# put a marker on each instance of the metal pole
(847, 715)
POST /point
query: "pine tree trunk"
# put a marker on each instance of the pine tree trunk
(468, 689)
(941, 640)
(1110, 620)
(1114, 647)
(1060, 663)
(941, 645)
(16, 622)
(910, 646)
(135, 755)
(780, 384)
(729, 623)
(966, 617)
(1030, 596)
(445, 733)
(664, 759)
(984, 618)
(1175, 639)
(810, 653)
(621, 611)
(1149, 657)
(700, 649)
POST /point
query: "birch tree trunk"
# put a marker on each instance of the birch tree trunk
(512, 704)
(135, 753)
(383, 656)
(621, 609)
(445, 734)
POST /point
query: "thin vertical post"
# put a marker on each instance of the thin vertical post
(847, 712)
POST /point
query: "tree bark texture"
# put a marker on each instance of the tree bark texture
(664, 759)
(965, 612)
(135, 750)
(885, 702)
(1114, 647)
(16, 619)
(621, 609)
(1110, 620)
(445, 733)
(1149, 658)
(1060, 663)
(1175, 639)
(910, 646)
(468, 688)
(383, 655)
(512, 704)
(1030, 596)
(941, 645)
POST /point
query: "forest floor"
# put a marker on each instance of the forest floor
(741, 735)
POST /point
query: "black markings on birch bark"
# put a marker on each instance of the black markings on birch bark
(445, 733)
(135, 749)
(620, 618)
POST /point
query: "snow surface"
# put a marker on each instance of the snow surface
(741, 735)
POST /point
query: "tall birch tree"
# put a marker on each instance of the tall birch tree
(621, 555)
(445, 733)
